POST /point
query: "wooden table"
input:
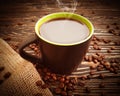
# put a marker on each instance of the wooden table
(17, 21)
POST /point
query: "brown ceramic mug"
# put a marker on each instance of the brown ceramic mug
(59, 58)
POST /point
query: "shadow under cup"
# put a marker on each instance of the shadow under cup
(63, 58)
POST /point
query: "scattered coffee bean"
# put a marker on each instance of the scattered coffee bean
(62, 79)
(89, 77)
(93, 12)
(109, 50)
(111, 69)
(82, 84)
(64, 93)
(38, 94)
(2, 68)
(92, 72)
(113, 48)
(102, 85)
(57, 90)
(117, 28)
(73, 81)
(19, 23)
(61, 85)
(101, 76)
(87, 90)
(1, 81)
(84, 77)
(107, 26)
(44, 86)
(7, 75)
(39, 83)
(114, 23)
(7, 38)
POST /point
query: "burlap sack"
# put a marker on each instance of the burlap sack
(23, 74)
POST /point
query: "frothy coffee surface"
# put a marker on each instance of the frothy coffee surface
(64, 31)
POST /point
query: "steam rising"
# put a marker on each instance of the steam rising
(67, 5)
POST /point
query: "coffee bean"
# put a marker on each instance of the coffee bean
(62, 79)
(84, 77)
(70, 93)
(20, 23)
(117, 28)
(1, 81)
(92, 66)
(111, 70)
(2, 68)
(93, 12)
(82, 84)
(73, 81)
(114, 23)
(63, 93)
(102, 85)
(86, 58)
(39, 83)
(99, 68)
(101, 76)
(61, 85)
(112, 48)
(109, 50)
(66, 81)
(111, 31)
(87, 90)
(89, 76)
(38, 94)
(107, 26)
(46, 77)
(103, 94)
(7, 75)
(7, 38)
(57, 90)
(92, 72)
(44, 86)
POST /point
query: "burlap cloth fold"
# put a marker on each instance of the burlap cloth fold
(23, 74)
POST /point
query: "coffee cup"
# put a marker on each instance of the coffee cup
(64, 52)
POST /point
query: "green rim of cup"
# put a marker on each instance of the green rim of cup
(63, 15)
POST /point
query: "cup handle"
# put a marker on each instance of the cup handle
(32, 38)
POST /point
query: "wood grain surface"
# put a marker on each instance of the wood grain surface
(17, 21)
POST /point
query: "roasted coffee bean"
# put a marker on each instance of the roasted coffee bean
(107, 26)
(87, 90)
(99, 68)
(93, 12)
(89, 58)
(102, 85)
(57, 90)
(114, 23)
(1, 81)
(86, 58)
(61, 85)
(111, 70)
(39, 83)
(84, 77)
(19, 23)
(7, 38)
(103, 94)
(82, 84)
(101, 76)
(92, 72)
(2, 68)
(69, 93)
(73, 81)
(48, 73)
(109, 50)
(62, 79)
(66, 81)
(44, 86)
(89, 76)
(92, 66)
(38, 94)
(111, 31)
(7, 75)
(46, 77)
(112, 48)
(117, 28)
(64, 93)
(54, 78)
